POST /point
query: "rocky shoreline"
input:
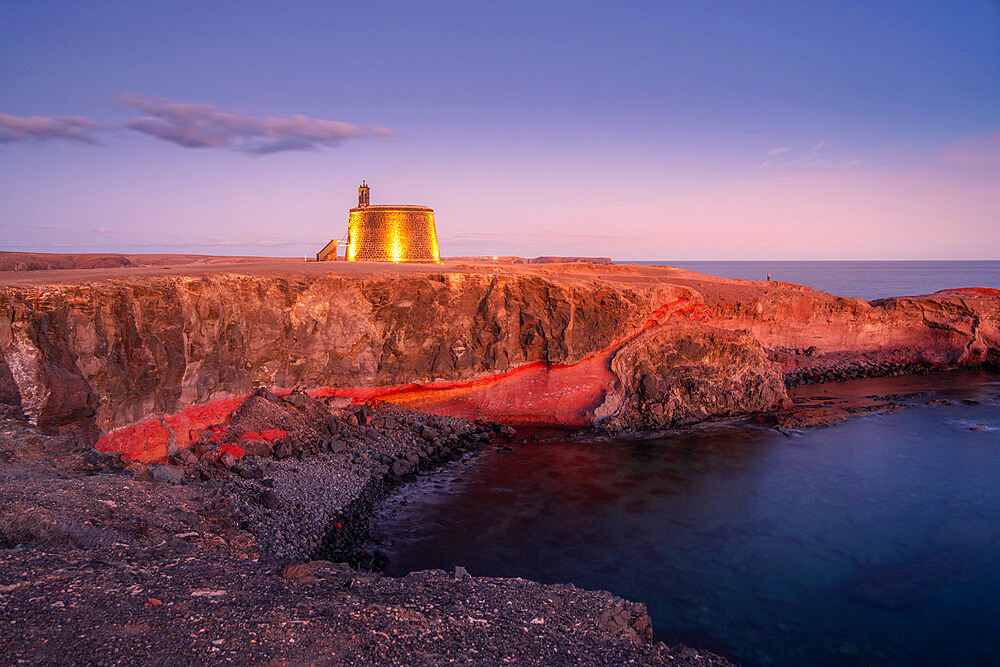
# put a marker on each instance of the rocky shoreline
(249, 417)
(303, 494)
(270, 553)
(214, 556)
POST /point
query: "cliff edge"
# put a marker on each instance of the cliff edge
(137, 357)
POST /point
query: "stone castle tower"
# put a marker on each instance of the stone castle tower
(390, 232)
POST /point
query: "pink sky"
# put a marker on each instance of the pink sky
(653, 131)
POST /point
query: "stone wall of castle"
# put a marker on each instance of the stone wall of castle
(392, 234)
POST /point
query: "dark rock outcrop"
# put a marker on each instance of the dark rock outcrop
(683, 374)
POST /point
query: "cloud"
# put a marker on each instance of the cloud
(207, 126)
(817, 156)
(40, 128)
(984, 149)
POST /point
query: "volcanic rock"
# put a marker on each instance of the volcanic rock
(683, 374)
(94, 461)
(256, 447)
(269, 499)
(300, 574)
(141, 360)
(400, 467)
(162, 474)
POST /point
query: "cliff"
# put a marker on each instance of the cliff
(139, 356)
(47, 261)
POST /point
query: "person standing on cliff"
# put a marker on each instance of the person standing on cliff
(768, 276)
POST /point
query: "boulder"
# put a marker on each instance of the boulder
(400, 467)
(269, 499)
(268, 395)
(211, 455)
(202, 447)
(257, 447)
(95, 461)
(301, 401)
(300, 574)
(250, 471)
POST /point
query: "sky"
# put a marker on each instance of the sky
(640, 130)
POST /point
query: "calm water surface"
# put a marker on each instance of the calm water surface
(875, 541)
(865, 280)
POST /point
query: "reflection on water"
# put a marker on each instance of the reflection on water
(873, 541)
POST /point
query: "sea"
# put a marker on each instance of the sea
(874, 541)
(864, 280)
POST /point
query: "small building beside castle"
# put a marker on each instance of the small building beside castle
(387, 233)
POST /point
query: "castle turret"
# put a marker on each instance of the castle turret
(390, 232)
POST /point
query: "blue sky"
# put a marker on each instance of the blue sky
(640, 130)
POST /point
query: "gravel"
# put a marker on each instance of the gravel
(336, 478)
(100, 567)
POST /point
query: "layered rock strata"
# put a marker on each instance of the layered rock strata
(142, 359)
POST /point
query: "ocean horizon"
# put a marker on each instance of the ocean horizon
(863, 279)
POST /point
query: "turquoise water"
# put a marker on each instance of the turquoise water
(865, 280)
(875, 541)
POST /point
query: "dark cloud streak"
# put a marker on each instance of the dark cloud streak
(193, 126)
(40, 128)
(207, 126)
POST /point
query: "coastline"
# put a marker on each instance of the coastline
(249, 418)
(136, 358)
(195, 549)
(204, 554)
(689, 523)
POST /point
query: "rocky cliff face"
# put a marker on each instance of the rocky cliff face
(948, 328)
(138, 361)
(684, 374)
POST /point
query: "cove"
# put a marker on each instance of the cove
(872, 541)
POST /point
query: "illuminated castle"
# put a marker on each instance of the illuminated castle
(387, 233)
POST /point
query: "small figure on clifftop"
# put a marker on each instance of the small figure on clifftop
(768, 276)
